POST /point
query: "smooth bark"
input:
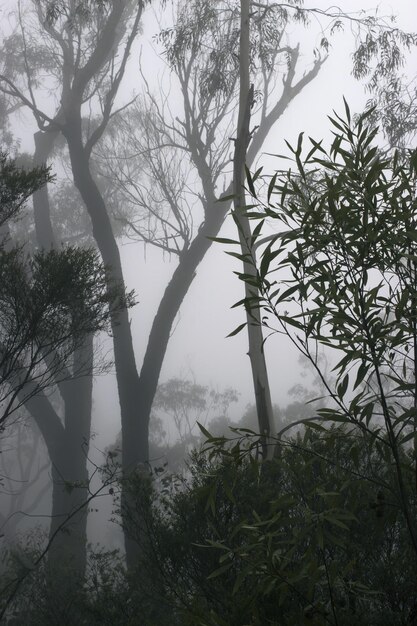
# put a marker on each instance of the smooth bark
(70, 477)
(135, 449)
(216, 210)
(67, 447)
(67, 450)
(44, 144)
(255, 336)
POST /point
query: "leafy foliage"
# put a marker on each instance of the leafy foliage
(341, 274)
(315, 536)
(17, 185)
(49, 302)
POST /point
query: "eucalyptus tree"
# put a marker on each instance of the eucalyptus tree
(255, 337)
(72, 49)
(395, 109)
(79, 61)
(348, 239)
(49, 303)
(174, 155)
(172, 165)
(24, 477)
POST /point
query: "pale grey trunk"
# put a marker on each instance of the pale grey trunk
(68, 452)
(255, 335)
(44, 144)
(68, 530)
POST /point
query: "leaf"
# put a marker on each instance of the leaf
(257, 173)
(236, 330)
(287, 293)
(316, 146)
(362, 371)
(219, 571)
(332, 415)
(250, 181)
(224, 240)
(367, 412)
(291, 322)
(271, 186)
(336, 124)
(226, 198)
(346, 109)
(315, 426)
(204, 431)
(342, 388)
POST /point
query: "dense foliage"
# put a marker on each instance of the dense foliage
(315, 536)
(49, 301)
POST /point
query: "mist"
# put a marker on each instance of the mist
(207, 312)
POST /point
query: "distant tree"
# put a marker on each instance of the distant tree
(180, 404)
(396, 110)
(24, 482)
(49, 304)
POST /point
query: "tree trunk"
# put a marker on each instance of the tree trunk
(70, 474)
(67, 451)
(255, 336)
(44, 143)
(135, 446)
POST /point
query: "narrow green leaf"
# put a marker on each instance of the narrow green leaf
(236, 330)
(224, 240)
(249, 180)
(271, 186)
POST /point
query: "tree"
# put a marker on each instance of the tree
(49, 304)
(24, 481)
(171, 166)
(79, 50)
(255, 338)
(395, 110)
(348, 243)
(174, 152)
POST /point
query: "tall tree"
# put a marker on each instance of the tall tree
(255, 338)
(49, 304)
(173, 165)
(177, 153)
(81, 44)
(202, 52)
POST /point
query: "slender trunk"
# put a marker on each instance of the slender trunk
(135, 446)
(44, 143)
(68, 452)
(190, 259)
(255, 335)
(134, 431)
(169, 306)
(67, 449)
(70, 473)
